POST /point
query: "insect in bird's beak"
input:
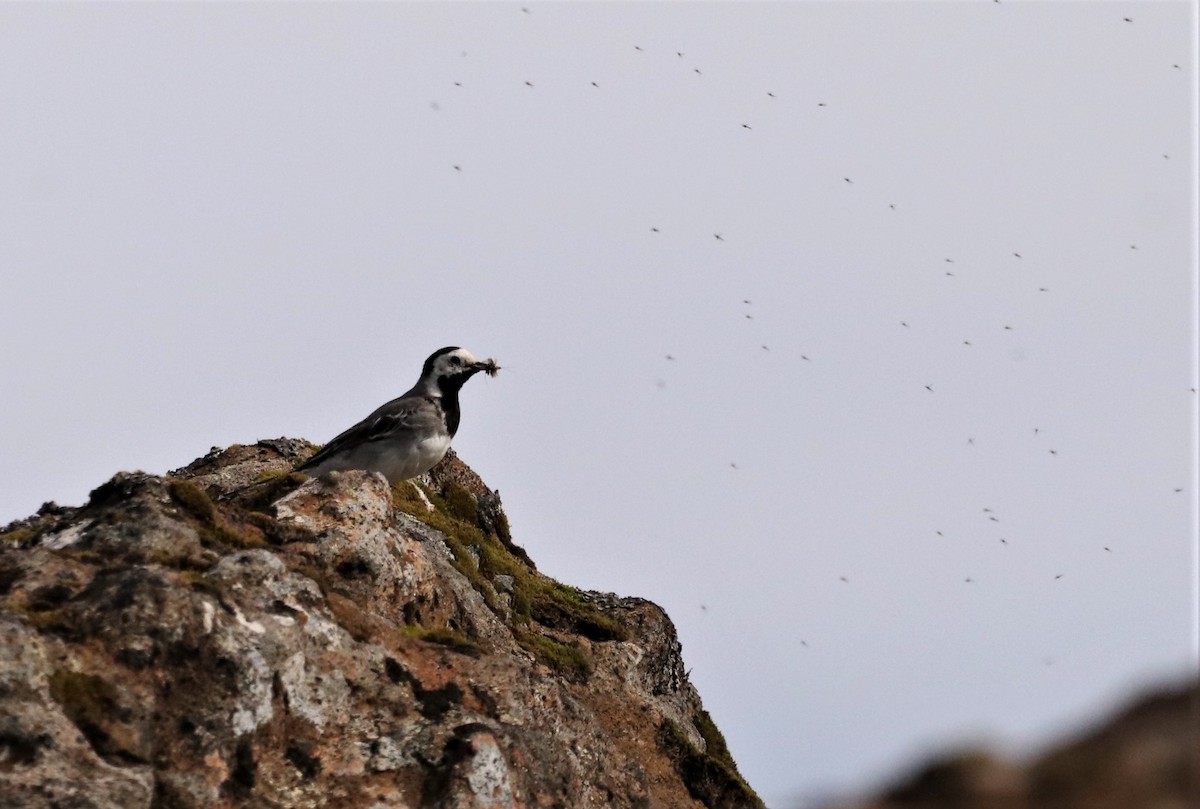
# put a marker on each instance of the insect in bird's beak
(488, 366)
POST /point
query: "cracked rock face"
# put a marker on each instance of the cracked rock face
(235, 635)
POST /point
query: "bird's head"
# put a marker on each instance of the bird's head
(449, 368)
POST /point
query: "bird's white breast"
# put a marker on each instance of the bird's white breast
(420, 458)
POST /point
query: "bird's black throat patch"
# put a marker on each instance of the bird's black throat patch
(450, 411)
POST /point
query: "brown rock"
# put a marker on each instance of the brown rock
(1147, 757)
(234, 635)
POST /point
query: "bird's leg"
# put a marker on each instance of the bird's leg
(421, 495)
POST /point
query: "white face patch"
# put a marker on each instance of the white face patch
(454, 363)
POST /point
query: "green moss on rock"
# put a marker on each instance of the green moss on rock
(18, 536)
(177, 560)
(710, 775)
(714, 740)
(269, 487)
(481, 557)
(199, 583)
(569, 661)
(444, 636)
(350, 617)
(214, 528)
(460, 503)
(88, 700)
(563, 607)
(55, 621)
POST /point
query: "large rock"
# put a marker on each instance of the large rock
(235, 635)
(1145, 757)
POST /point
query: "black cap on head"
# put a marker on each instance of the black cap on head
(428, 368)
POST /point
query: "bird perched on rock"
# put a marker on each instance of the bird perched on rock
(407, 436)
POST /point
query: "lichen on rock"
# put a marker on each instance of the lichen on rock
(233, 634)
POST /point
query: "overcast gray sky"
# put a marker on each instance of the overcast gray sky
(861, 337)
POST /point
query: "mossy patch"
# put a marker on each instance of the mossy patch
(19, 536)
(276, 532)
(714, 740)
(10, 574)
(710, 777)
(61, 622)
(193, 500)
(444, 636)
(85, 556)
(460, 535)
(88, 700)
(216, 530)
(81, 694)
(269, 474)
(239, 524)
(350, 617)
(197, 581)
(177, 560)
(460, 503)
(569, 661)
(269, 487)
(563, 607)
(481, 556)
(494, 560)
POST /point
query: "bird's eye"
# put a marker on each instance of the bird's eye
(455, 361)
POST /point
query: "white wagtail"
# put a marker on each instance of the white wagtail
(407, 436)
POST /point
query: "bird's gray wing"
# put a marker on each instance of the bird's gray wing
(407, 414)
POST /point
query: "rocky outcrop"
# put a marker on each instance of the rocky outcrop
(1147, 757)
(234, 634)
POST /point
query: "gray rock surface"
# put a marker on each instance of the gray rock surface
(235, 635)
